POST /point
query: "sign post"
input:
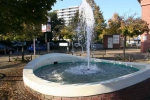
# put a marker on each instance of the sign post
(48, 30)
(34, 46)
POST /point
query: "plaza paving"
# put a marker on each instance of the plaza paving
(11, 82)
(109, 54)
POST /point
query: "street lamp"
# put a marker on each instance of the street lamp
(47, 29)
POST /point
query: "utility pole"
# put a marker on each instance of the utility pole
(34, 46)
(48, 30)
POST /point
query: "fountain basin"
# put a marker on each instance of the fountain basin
(80, 90)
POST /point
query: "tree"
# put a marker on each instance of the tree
(56, 24)
(100, 24)
(20, 19)
(14, 13)
(132, 26)
(29, 32)
(69, 31)
(114, 24)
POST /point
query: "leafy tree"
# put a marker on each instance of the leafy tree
(131, 26)
(74, 21)
(21, 19)
(77, 20)
(14, 13)
(100, 24)
(69, 31)
(114, 24)
(29, 32)
(56, 24)
(127, 26)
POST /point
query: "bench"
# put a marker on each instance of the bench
(28, 58)
(17, 59)
(128, 57)
(102, 53)
(78, 54)
(147, 55)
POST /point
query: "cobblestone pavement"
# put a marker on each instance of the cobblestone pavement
(11, 82)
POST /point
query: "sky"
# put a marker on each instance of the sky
(108, 7)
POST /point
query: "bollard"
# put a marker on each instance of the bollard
(129, 58)
(92, 55)
(31, 57)
(72, 51)
(17, 58)
(9, 58)
(67, 49)
(10, 52)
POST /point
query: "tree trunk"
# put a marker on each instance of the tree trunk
(22, 51)
(124, 46)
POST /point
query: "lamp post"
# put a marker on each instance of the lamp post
(34, 43)
(48, 30)
(34, 46)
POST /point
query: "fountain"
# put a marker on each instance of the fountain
(55, 76)
(86, 17)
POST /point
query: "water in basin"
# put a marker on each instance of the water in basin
(73, 73)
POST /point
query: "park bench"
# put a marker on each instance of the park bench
(98, 53)
(128, 57)
(78, 54)
(17, 59)
(28, 58)
(147, 55)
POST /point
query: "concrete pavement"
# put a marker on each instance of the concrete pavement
(109, 54)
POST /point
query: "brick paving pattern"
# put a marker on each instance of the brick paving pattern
(11, 83)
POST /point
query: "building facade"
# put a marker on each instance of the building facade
(145, 4)
(145, 37)
(67, 13)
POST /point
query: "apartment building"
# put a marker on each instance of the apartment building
(67, 13)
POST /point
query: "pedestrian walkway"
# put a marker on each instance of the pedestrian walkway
(12, 86)
(109, 54)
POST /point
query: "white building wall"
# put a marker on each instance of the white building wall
(67, 13)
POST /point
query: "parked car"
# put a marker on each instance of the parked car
(38, 47)
(138, 45)
(52, 45)
(19, 44)
(4, 49)
(77, 45)
(133, 44)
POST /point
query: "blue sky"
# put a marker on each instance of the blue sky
(108, 7)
